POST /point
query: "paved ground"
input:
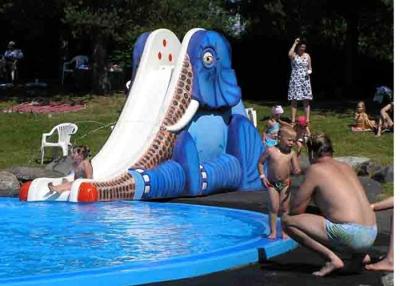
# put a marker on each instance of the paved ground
(292, 268)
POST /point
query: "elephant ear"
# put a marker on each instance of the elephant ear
(214, 81)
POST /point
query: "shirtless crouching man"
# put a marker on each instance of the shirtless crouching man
(347, 222)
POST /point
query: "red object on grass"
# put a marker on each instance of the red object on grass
(48, 108)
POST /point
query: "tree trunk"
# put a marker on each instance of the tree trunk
(351, 49)
(100, 81)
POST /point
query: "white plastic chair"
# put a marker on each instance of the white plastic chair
(252, 115)
(64, 130)
(75, 63)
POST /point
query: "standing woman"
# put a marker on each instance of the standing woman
(300, 85)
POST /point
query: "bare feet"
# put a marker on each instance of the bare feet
(285, 235)
(383, 265)
(272, 235)
(329, 267)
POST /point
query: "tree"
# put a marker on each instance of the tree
(113, 25)
(357, 27)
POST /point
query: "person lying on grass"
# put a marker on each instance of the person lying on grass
(361, 119)
(82, 169)
(347, 223)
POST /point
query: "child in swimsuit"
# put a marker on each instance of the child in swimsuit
(281, 161)
(82, 169)
(361, 119)
(302, 133)
(270, 135)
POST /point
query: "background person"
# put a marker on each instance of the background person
(11, 56)
(385, 121)
(361, 119)
(300, 84)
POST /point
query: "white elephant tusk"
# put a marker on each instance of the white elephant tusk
(185, 119)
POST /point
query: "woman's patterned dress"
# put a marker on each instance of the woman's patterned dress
(299, 85)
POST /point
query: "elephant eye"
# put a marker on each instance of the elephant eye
(208, 59)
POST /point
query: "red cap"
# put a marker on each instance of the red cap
(302, 121)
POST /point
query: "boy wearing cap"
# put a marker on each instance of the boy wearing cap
(302, 133)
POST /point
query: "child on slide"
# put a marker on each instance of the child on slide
(82, 169)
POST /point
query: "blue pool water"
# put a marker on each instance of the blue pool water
(46, 238)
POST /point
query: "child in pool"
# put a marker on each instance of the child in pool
(361, 119)
(281, 160)
(82, 169)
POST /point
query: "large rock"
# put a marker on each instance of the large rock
(363, 166)
(388, 279)
(9, 185)
(371, 187)
(304, 161)
(383, 174)
(62, 165)
(367, 168)
(354, 161)
(389, 170)
(30, 173)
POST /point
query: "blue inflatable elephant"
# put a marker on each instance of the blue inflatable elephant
(217, 149)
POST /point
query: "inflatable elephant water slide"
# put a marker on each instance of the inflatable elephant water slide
(182, 132)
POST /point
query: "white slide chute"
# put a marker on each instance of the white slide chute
(140, 120)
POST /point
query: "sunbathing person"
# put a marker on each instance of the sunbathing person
(361, 119)
(347, 222)
(82, 169)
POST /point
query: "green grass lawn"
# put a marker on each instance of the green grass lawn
(21, 132)
(336, 125)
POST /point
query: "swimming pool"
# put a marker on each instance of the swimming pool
(126, 242)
